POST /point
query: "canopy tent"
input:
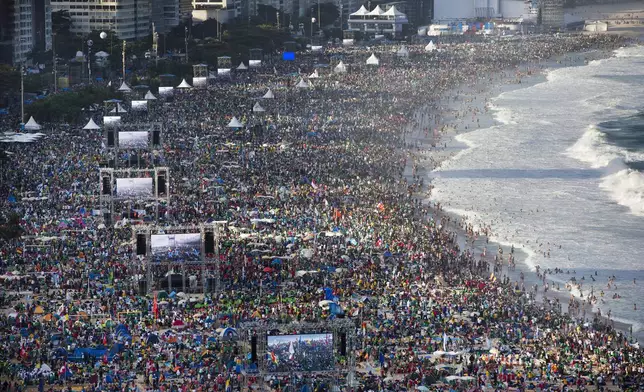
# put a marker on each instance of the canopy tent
(340, 68)
(373, 60)
(361, 12)
(376, 12)
(393, 13)
(403, 52)
(242, 66)
(184, 84)
(125, 88)
(269, 94)
(118, 109)
(91, 125)
(258, 108)
(430, 47)
(303, 84)
(235, 123)
(32, 125)
(102, 54)
(149, 95)
(314, 75)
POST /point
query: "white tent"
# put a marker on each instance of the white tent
(102, 54)
(361, 12)
(430, 47)
(373, 60)
(125, 88)
(235, 123)
(258, 108)
(32, 125)
(269, 95)
(403, 52)
(340, 68)
(149, 95)
(376, 11)
(242, 66)
(118, 109)
(393, 13)
(303, 84)
(314, 75)
(91, 125)
(184, 84)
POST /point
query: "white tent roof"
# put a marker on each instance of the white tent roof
(269, 94)
(376, 11)
(361, 12)
(314, 75)
(124, 87)
(32, 125)
(149, 95)
(395, 13)
(118, 109)
(12, 137)
(184, 84)
(102, 54)
(91, 125)
(258, 108)
(303, 84)
(212, 76)
(242, 66)
(235, 123)
(403, 51)
(430, 47)
(373, 60)
(340, 68)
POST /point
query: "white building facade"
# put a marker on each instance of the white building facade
(130, 19)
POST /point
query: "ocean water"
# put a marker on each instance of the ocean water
(563, 172)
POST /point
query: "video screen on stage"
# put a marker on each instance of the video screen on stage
(134, 187)
(223, 71)
(300, 353)
(111, 120)
(254, 63)
(176, 247)
(134, 140)
(140, 106)
(200, 81)
(166, 91)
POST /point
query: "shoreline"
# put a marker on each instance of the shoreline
(488, 88)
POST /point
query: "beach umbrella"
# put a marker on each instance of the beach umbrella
(178, 324)
(39, 310)
(268, 269)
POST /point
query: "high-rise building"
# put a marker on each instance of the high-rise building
(130, 19)
(167, 14)
(25, 25)
(552, 14)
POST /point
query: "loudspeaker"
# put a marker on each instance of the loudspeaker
(209, 242)
(140, 245)
(210, 285)
(110, 138)
(343, 344)
(253, 349)
(143, 287)
(107, 217)
(161, 190)
(156, 138)
(107, 189)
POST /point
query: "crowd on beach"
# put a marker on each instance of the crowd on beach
(322, 201)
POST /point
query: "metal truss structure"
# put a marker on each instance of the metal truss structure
(114, 149)
(261, 329)
(208, 266)
(108, 197)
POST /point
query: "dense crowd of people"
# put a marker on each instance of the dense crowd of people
(320, 195)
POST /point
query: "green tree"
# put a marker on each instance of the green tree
(61, 22)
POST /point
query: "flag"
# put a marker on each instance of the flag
(492, 277)
(274, 358)
(291, 350)
(313, 184)
(444, 341)
(155, 307)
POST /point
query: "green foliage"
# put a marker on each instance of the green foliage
(67, 107)
(9, 78)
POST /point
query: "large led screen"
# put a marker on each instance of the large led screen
(166, 91)
(300, 353)
(176, 247)
(140, 106)
(138, 139)
(200, 81)
(223, 71)
(111, 120)
(134, 188)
